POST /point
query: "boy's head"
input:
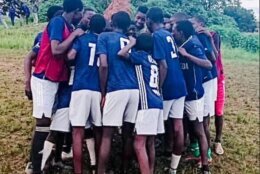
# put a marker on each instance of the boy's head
(121, 20)
(154, 16)
(54, 11)
(74, 8)
(97, 23)
(144, 42)
(180, 16)
(88, 13)
(198, 21)
(140, 17)
(183, 30)
(167, 22)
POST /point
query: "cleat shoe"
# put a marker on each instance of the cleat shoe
(29, 168)
(219, 149)
(209, 155)
(66, 156)
(46, 152)
(195, 150)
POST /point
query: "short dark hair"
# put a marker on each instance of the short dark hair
(88, 9)
(166, 15)
(200, 19)
(53, 10)
(144, 42)
(72, 5)
(185, 27)
(97, 23)
(155, 14)
(121, 20)
(142, 9)
(181, 16)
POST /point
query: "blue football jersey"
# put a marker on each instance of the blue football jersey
(37, 43)
(148, 80)
(205, 41)
(86, 63)
(192, 73)
(165, 49)
(121, 73)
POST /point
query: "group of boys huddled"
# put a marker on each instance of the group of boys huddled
(92, 77)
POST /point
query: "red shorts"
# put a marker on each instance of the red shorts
(220, 102)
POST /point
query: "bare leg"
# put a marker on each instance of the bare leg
(151, 152)
(78, 137)
(141, 153)
(206, 121)
(219, 126)
(105, 148)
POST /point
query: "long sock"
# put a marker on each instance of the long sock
(91, 149)
(175, 161)
(40, 136)
(47, 149)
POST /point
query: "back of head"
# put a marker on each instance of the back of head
(180, 16)
(200, 19)
(97, 23)
(53, 11)
(88, 9)
(121, 20)
(144, 42)
(185, 27)
(72, 5)
(142, 9)
(155, 14)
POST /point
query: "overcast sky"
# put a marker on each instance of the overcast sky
(252, 4)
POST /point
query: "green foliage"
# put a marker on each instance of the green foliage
(244, 18)
(234, 38)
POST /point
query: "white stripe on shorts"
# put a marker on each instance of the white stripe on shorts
(143, 95)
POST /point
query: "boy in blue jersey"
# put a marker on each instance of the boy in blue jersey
(119, 88)
(171, 79)
(192, 60)
(210, 79)
(149, 120)
(86, 95)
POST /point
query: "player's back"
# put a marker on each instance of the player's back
(86, 63)
(121, 73)
(164, 48)
(148, 80)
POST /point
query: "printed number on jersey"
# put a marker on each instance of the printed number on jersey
(154, 79)
(92, 56)
(124, 42)
(173, 52)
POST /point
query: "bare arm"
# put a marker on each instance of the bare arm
(163, 68)
(60, 48)
(103, 73)
(28, 72)
(72, 54)
(200, 62)
(124, 52)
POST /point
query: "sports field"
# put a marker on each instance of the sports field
(241, 130)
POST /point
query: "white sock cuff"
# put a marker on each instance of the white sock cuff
(175, 161)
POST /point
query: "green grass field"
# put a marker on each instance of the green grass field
(241, 130)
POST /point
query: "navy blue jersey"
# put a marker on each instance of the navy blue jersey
(63, 96)
(193, 73)
(86, 63)
(37, 43)
(205, 41)
(56, 28)
(121, 73)
(148, 80)
(165, 49)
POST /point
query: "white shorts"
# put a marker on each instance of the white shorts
(209, 100)
(44, 93)
(60, 120)
(173, 108)
(149, 122)
(120, 106)
(215, 88)
(194, 109)
(85, 106)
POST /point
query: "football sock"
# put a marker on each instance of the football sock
(40, 136)
(46, 152)
(175, 161)
(91, 149)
